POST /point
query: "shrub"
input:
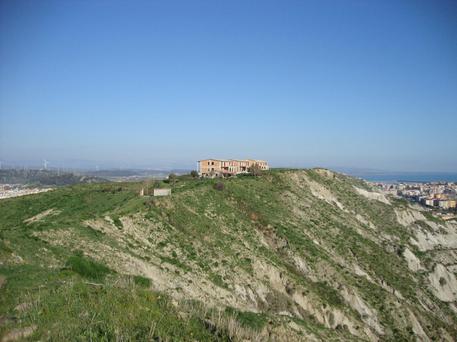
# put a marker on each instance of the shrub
(248, 319)
(142, 281)
(194, 174)
(400, 250)
(218, 186)
(118, 223)
(87, 267)
(171, 179)
(255, 170)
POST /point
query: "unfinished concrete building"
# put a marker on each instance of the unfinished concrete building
(227, 167)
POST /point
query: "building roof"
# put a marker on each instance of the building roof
(257, 160)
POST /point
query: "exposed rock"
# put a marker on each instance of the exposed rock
(408, 216)
(368, 314)
(372, 195)
(325, 172)
(41, 215)
(332, 317)
(16, 259)
(19, 333)
(443, 284)
(23, 307)
(414, 263)
(417, 328)
(426, 241)
(361, 273)
(323, 193)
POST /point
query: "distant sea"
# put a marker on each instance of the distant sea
(418, 177)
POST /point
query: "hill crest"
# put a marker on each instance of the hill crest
(290, 255)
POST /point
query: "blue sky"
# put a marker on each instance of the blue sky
(362, 84)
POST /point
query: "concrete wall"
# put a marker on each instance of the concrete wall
(209, 165)
(216, 167)
(162, 192)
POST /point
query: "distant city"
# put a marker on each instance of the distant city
(400, 177)
(16, 190)
(441, 197)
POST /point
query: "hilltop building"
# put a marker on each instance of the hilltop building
(227, 167)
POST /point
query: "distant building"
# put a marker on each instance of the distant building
(428, 202)
(447, 204)
(155, 192)
(227, 167)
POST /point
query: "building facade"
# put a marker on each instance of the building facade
(227, 167)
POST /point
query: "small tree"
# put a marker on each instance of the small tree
(255, 169)
(219, 186)
(443, 281)
(172, 178)
(147, 187)
(194, 174)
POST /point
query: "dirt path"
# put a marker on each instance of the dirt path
(19, 333)
(2, 281)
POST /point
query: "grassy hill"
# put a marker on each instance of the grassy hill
(290, 255)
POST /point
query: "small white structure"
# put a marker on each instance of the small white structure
(162, 192)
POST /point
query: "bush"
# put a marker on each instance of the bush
(87, 267)
(400, 250)
(171, 179)
(194, 174)
(255, 170)
(142, 281)
(218, 186)
(248, 319)
(118, 223)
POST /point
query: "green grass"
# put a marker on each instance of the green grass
(87, 267)
(210, 234)
(78, 311)
(248, 319)
(429, 216)
(218, 280)
(142, 281)
(328, 294)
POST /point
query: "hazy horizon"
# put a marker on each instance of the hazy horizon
(163, 84)
(89, 166)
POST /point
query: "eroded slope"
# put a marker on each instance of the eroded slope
(310, 255)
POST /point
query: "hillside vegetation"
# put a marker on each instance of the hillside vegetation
(291, 255)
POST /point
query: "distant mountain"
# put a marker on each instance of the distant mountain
(45, 177)
(138, 173)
